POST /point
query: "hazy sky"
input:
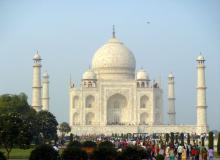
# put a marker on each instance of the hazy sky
(67, 34)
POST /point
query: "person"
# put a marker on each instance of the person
(193, 152)
(204, 154)
(171, 154)
(188, 150)
(167, 155)
(184, 156)
(197, 151)
(211, 153)
(179, 151)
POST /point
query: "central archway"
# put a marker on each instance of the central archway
(115, 106)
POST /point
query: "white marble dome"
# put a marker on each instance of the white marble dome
(171, 75)
(89, 74)
(45, 74)
(37, 56)
(200, 58)
(114, 58)
(142, 75)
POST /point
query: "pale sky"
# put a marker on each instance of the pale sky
(67, 34)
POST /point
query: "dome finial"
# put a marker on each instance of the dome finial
(113, 31)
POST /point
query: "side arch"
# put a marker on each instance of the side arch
(144, 101)
(76, 118)
(90, 101)
(143, 118)
(75, 101)
(90, 118)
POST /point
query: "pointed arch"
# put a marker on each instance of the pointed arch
(75, 101)
(75, 118)
(90, 101)
(144, 101)
(90, 118)
(143, 118)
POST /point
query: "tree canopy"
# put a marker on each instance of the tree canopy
(14, 103)
(47, 126)
(64, 128)
(14, 131)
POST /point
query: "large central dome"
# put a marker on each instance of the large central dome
(114, 61)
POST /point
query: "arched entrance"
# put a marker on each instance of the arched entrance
(115, 106)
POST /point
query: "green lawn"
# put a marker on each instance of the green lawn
(216, 155)
(18, 153)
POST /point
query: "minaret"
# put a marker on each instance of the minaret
(171, 100)
(36, 85)
(45, 93)
(201, 95)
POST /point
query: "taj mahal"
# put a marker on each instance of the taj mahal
(115, 98)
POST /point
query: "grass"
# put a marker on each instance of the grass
(17, 153)
(216, 155)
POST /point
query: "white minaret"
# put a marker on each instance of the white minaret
(36, 85)
(45, 92)
(201, 95)
(171, 100)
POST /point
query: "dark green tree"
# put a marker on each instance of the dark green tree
(74, 153)
(2, 156)
(14, 131)
(211, 140)
(218, 144)
(176, 138)
(74, 144)
(182, 139)
(172, 138)
(71, 137)
(105, 153)
(64, 128)
(203, 141)
(167, 138)
(188, 138)
(44, 152)
(134, 153)
(89, 144)
(47, 126)
(14, 103)
(106, 144)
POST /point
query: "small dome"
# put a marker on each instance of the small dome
(89, 74)
(142, 75)
(170, 75)
(37, 56)
(45, 75)
(200, 58)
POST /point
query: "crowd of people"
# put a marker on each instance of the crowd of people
(154, 147)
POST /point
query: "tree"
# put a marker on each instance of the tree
(182, 139)
(14, 130)
(218, 144)
(2, 156)
(134, 153)
(203, 141)
(71, 137)
(211, 140)
(74, 153)
(74, 144)
(176, 138)
(106, 144)
(14, 103)
(47, 125)
(172, 138)
(64, 128)
(167, 138)
(188, 138)
(44, 152)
